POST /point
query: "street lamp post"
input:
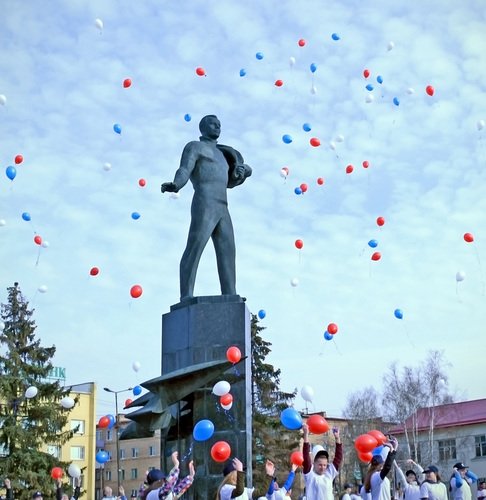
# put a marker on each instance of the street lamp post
(117, 442)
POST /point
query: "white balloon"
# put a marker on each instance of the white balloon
(481, 124)
(369, 98)
(284, 172)
(221, 388)
(67, 402)
(99, 24)
(44, 244)
(136, 366)
(307, 393)
(313, 90)
(390, 46)
(294, 282)
(292, 61)
(410, 91)
(31, 392)
(340, 138)
(74, 470)
(460, 276)
(106, 166)
(332, 145)
(3, 100)
(3, 222)
(316, 448)
(228, 406)
(42, 289)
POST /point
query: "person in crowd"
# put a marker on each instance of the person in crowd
(37, 495)
(376, 482)
(433, 488)
(355, 493)
(233, 484)
(320, 474)
(276, 492)
(108, 494)
(481, 494)
(63, 496)
(460, 482)
(411, 486)
(8, 489)
(347, 491)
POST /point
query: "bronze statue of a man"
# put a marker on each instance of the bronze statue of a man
(212, 168)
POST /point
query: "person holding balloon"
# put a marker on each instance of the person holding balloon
(108, 494)
(233, 484)
(376, 482)
(63, 496)
(279, 493)
(320, 475)
(411, 486)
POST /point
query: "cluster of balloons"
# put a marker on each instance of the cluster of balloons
(369, 444)
(106, 422)
(332, 329)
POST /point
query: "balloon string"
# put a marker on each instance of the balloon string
(481, 274)
(408, 335)
(235, 369)
(188, 454)
(38, 256)
(226, 412)
(335, 345)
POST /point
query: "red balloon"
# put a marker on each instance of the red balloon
(233, 354)
(220, 451)
(94, 271)
(430, 90)
(103, 422)
(349, 169)
(366, 73)
(332, 328)
(380, 221)
(278, 83)
(315, 142)
(57, 473)
(127, 83)
(136, 291)
(142, 182)
(37, 239)
(317, 424)
(365, 457)
(301, 42)
(297, 458)
(128, 402)
(376, 256)
(468, 237)
(19, 159)
(304, 187)
(366, 164)
(379, 436)
(299, 244)
(365, 443)
(320, 181)
(226, 399)
(200, 72)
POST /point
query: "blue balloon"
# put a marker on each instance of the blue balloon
(369, 87)
(102, 457)
(242, 72)
(298, 190)
(335, 36)
(117, 128)
(396, 101)
(26, 216)
(203, 430)
(291, 419)
(11, 172)
(135, 215)
(327, 335)
(261, 313)
(313, 67)
(259, 55)
(112, 421)
(379, 79)
(398, 314)
(377, 450)
(307, 127)
(137, 390)
(287, 138)
(187, 117)
(373, 243)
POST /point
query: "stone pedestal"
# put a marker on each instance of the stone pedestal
(198, 331)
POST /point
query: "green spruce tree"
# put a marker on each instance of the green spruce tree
(270, 439)
(28, 424)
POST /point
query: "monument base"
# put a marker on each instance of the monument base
(196, 331)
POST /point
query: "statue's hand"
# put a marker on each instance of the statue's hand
(170, 187)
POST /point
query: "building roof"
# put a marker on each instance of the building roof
(447, 415)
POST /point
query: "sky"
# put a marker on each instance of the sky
(62, 92)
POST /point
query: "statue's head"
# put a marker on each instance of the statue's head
(210, 126)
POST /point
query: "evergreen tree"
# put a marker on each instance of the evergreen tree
(270, 439)
(28, 424)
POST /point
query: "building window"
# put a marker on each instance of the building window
(122, 474)
(77, 426)
(447, 449)
(54, 450)
(77, 452)
(109, 435)
(151, 451)
(122, 453)
(134, 474)
(134, 452)
(480, 442)
(108, 475)
(99, 435)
